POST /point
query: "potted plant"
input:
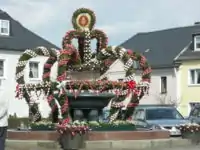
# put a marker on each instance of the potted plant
(73, 135)
(190, 131)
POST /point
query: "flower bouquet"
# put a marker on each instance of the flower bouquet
(73, 135)
(42, 126)
(117, 125)
(190, 131)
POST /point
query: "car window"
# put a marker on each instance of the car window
(162, 113)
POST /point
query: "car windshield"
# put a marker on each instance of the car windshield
(162, 113)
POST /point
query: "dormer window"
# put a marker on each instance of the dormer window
(197, 43)
(4, 27)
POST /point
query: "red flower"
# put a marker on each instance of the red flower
(129, 52)
(131, 84)
(66, 121)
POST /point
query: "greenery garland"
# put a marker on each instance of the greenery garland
(127, 57)
(83, 11)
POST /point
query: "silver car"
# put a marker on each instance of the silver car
(159, 117)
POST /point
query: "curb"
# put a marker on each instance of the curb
(91, 145)
(138, 144)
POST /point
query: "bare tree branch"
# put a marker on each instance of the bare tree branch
(165, 99)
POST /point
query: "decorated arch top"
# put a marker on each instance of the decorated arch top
(83, 19)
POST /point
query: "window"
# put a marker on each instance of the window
(197, 42)
(162, 113)
(34, 70)
(2, 71)
(163, 85)
(194, 76)
(4, 27)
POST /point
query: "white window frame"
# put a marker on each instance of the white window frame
(161, 85)
(8, 27)
(39, 71)
(3, 78)
(4, 68)
(190, 78)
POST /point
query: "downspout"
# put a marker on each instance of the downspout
(178, 89)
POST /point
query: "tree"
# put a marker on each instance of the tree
(165, 99)
(15, 115)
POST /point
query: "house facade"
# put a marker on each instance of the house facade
(163, 50)
(189, 69)
(14, 40)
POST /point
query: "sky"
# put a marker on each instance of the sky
(120, 19)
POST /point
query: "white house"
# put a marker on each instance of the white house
(14, 40)
(161, 48)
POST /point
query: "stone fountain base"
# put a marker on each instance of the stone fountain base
(93, 136)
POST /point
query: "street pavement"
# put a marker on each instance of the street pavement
(194, 147)
(178, 148)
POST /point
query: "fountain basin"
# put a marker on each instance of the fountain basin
(88, 100)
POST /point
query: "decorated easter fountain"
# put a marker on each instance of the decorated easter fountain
(82, 90)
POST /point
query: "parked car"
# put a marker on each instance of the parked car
(159, 117)
(194, 115)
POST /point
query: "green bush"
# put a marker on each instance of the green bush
(14, 122)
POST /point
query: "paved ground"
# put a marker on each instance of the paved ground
(184, 148)
(191, 148)
(178, 148)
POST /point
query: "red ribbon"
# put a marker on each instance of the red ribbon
(131, 84)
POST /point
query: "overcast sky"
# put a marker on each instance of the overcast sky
(120, 19)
